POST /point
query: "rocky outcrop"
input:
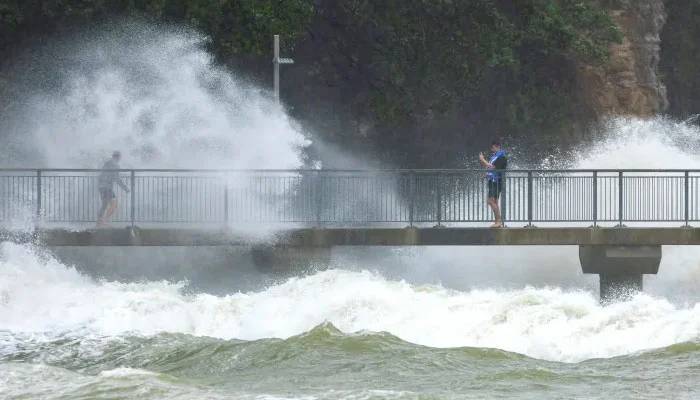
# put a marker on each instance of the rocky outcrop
(629, 83)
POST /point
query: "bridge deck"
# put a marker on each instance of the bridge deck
(327, 237)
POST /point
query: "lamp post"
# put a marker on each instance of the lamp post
(276, 61)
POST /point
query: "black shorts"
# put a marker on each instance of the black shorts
(107, 194)
(495, 189)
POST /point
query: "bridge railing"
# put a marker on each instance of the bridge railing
(321, 197)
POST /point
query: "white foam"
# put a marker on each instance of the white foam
(43, 296)
(126, 372)
(634, 143)
(157, 95)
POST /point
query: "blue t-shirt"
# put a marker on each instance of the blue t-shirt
(499, 162)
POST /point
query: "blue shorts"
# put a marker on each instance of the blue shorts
(495, 189)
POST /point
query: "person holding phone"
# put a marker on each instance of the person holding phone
(496, 165)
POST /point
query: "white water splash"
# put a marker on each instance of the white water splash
(633, 143)
(43, 297)
(155, 94)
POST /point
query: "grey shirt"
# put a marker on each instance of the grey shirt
(110, 175)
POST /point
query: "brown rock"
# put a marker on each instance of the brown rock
(629, 83)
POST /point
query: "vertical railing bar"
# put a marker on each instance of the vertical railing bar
(61, 198)
(620, 197)
(38, 198)
(609, 215)
(386, 214)
(133, 198)
(580, 198)
(520, 185)
(675, 208)
(595, 198)
(412, 199)
(529, 198)
(439, 198)
(693, 186)
(571, 197)
(317, 197)
(226, 184)
(515, 206)
(57, 198)
(655, 194)
(686, 194)
(504, 201)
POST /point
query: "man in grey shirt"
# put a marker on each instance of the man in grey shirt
(105, 184)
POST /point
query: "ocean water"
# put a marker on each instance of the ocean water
(333, 334)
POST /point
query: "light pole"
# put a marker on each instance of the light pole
(276, 61)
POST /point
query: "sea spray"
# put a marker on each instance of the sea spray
(155, 93)
(634, 143)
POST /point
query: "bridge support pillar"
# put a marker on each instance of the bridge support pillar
(283, 259)
(621, 268)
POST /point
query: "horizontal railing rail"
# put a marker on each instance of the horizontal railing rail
(333, 171)
(348, 197)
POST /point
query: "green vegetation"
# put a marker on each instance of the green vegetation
(235, 26)
(509, 63)
(446, 47)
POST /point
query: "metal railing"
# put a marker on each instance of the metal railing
(332, 197)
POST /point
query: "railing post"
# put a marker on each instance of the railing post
(686, 195)
(595, 198)
(439, 199)
(619, 195)
(411, 196)
(529, 198)
(132, 190)
(39, 210)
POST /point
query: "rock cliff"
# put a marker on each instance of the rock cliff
(629, 83)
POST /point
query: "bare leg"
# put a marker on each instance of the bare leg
(101, 214)
(493, 203)
(110, 210)
(106, 212)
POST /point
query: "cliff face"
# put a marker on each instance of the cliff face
(629, 83)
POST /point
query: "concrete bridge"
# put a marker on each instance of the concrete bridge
(619, 219)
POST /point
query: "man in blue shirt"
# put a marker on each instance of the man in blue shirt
(105, 184)
(496, 165)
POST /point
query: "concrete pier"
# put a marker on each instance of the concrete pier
(621, 268)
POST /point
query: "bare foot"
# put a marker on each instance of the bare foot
(497, 225)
